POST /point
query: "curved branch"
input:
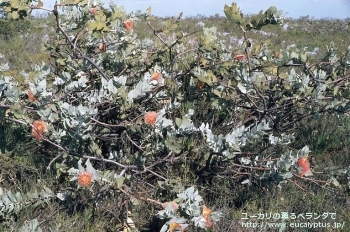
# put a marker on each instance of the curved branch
(72, 43)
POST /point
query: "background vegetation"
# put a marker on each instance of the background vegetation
(24, 161)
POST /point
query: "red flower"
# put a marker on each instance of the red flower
(85, 179)
(173, 204)
(239, 57)
(175, 227)
(93, 10)
(206, 215)
(38, 128)
(200, 85)
(156, 76)
(304, 163)
(31, 97)
(151, 117)
(128, 25)
(102, 47)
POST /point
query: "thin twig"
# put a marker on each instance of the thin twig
(52, 161)
(140, 198)
(107, 125)
(251, 167)
(297, 185)
(82, 55)
(107, 161)
(139, 147)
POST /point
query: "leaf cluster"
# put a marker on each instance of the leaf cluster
(221, 110)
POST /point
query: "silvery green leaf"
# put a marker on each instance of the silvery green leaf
(65, 76)
(154, 82)
(80, 167)
(215, 141)
(65, 106)
(162, 214)
(199, 221)
(145, 43)
(245, 161)
(111, 88)
(165, 122)
(31, 226)
(186, 125)
(193, 210)
(133, 94)
(45, 69)
(44, 112)
(7, 80)
(48, 191)
(157, 68)
(141, 88)
(233, 139)
(82, 81)
(198, 198)
(6, 200)
(210, 32)
(11, 197)
(229, 154)
(4, 67)
(80, 74)
(72, 85)
(286, 175)
(53, 117)
(17, 208)
(304, 151)
(104, 82)
(112, 155)
(273, 139)
(190, 191)
(286, 139)
(12, 93)
(335, 182)
(91, 170)
(263, 126)
(74, 178)
(180, 220)
(242, 88)
(184, 194)
(294, 55)
(204, 128)
(58, 81)
(82, 109)
(164, 227)
(120, 80)
(309, 173)
(319, 74)
(184, 225)
(18, 196)
(41, 87)
(62, 196)
(199, 72)
(120, 181)
(216, 216)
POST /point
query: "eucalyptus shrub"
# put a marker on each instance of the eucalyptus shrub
(111, 107)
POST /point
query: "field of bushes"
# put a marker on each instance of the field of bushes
(156, 163)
